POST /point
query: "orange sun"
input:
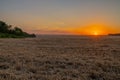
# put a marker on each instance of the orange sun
(95, 30)
(95, 33)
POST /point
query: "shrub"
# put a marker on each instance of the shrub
(6, 31)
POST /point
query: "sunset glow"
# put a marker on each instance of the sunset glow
(86, 17)
(96, 33)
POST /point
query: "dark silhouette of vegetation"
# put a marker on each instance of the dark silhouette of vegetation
(114, 34)
(6, 31)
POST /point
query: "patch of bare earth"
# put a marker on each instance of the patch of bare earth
(60, 58)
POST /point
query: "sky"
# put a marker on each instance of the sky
(84, 17)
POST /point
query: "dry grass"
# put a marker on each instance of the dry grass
(60, 58)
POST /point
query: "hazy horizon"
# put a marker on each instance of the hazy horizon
(81, 17)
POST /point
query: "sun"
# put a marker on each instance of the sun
(95, 30)
(95, 33)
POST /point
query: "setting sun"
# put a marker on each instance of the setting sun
(96, 33)
(94, 29)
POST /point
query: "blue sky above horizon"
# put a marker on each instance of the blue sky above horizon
(60, 16)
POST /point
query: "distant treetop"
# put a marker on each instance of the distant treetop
(7, 31)
(118, 34)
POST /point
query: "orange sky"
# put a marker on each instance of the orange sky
(90, 29)
(81, 17)
(94, 30)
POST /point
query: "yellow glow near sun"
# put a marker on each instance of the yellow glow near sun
(96, 33)
(94, 30)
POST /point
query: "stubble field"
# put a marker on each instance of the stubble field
(60, 58)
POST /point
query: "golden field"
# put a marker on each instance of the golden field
(60, 58)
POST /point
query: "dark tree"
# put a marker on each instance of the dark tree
(8, 31)
(3, 27)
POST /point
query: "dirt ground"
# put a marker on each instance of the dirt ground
(60, 58)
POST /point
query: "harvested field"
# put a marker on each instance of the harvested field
(60, 58)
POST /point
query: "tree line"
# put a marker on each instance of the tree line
(7, 31)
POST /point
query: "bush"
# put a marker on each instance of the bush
(6, 31)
